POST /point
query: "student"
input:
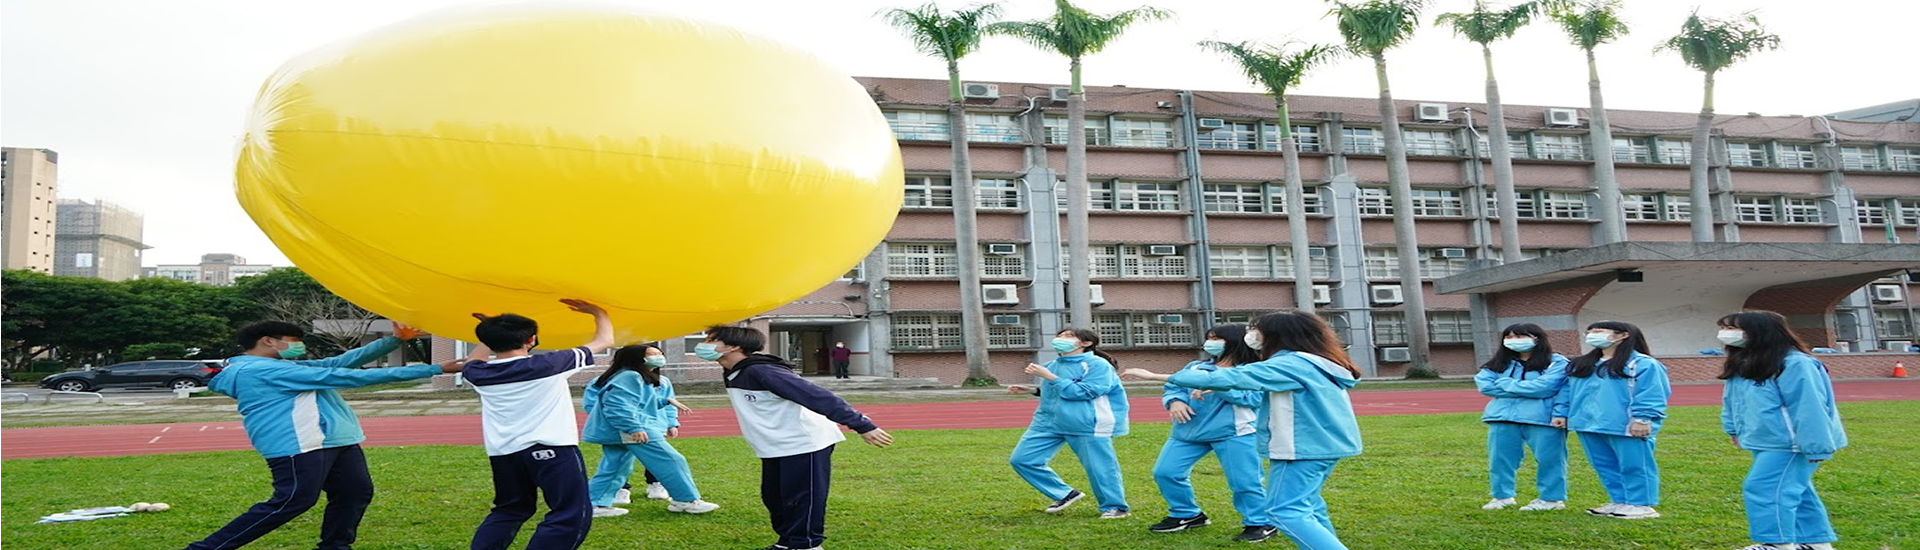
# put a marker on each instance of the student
(1306, 417)
(629, 415)
(308, 435)
(1616, 398)
(790, 423)
(1217, 422)
(1082, 405)
(1523, 378)
(1778, 404)
(532, 441)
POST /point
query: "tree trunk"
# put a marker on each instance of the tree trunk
(1296, 211)
(973, 322)
(1406, 243)
(1508, 209)
(1697, 172)
(1613, 226)
(1079, 285)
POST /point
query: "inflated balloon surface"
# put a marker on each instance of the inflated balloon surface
(678, 172)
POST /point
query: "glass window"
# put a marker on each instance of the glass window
(1112, 328)
(996, 193)
(1674, 151)
(1450, 327)
(1320, 268)
(1904, 159)
(1795, 155)
(928, 192)
(1010, 336)
(1631, 150)
(1860, 158)
(919, 125)
(1434, 143)
(1801, 210)
(1909, 211)
(1056, 126)
(1137, 132)
(1389, 328)
(1640, 206)
(1307, 136)
(1249, 262)
(1310, 195)
(1561, 205)
(927, 331)
(1434, 264)
(1002, 265)
(1374, 201)
(1751, 209)
(1561, 146)
(1526, 203)
(1516, 145)
(1143, 196)
(1870, 211)
(1893, 323)
(1382, 263)
(922, 260)
(1156, 330)
(1747, 154)
(1099, 195)
(993, 128)
(1362, 140)
(1679, 207)
(1233, 135)
(1438, 203)
(1233, 197)
(1136, 262)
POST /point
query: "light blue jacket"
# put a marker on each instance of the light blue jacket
(1603, 404)
(1217, 416)
(1086, 399)
(627, 404)
(290, 407)
(1520, 396)
(1306, 413)
(1793, 412)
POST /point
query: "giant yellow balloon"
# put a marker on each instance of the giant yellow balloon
(679, 173)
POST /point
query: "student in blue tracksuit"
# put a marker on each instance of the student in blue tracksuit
(308, 435)
(630, 415)
(1616, 398)
(1778, 404)
(1306, 418)
(1523, 378)
(1082, 405)
(1221, 423)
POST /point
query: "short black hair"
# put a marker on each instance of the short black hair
(506, 331)
(749, 340)
(248, 335)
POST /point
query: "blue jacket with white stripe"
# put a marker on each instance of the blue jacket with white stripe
(1217, 416)
(628, 404)
(290, 407)
(1086, 399)
(1520, 396)
(1602, 404)
(1793, 412)
(1306, 413)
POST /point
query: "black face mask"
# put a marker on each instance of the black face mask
(536, 343)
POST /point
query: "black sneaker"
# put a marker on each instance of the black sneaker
(1173, 524)
(1073, 496)
(1255, 533)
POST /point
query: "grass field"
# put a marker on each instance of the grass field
(1419, 486)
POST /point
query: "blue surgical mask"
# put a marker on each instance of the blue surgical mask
(657, 361)
(1599, 340)
(1064, 345)
(707, 351)
(1214, 347)
(294, 350)
(1520, 345)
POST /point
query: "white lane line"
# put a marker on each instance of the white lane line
(164, 430)
(155, 438)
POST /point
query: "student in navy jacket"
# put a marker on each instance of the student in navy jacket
(791, 425)
(1778, 404)
(1223, 423)
(1616, 400)
(1082, 405)
(1523, 378)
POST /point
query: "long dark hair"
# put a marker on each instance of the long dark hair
(1542, 351)
(1586, 365)
(633, 358)
(1093, 344)
(1768, 343)
(1237, 352)
(1301, 331)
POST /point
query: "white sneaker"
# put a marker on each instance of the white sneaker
(1605, 509)
(1115, 513)
(1542, 505)
(1776, 547)
(1629, 511)
(1497, 504)
(657, 491)
(695, 507)
(608, 511)
(623, 496)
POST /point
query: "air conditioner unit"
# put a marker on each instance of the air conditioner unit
(999, 294)
(1886, 293)
(1162, 250)
(1450, 253)
(1169, 319)
(1386, 294)
(1003, 249)
(1316, 252)
(1563, 117)
(1097, 296)
(1396, 355)
(1896, 345)
(1431, 112)
(1212, 124)
(1322, 294)
(1059, 93)
(980, 90)
(1004, 320)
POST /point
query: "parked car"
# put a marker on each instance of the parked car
(171, 374)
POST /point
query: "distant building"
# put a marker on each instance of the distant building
(28, 182)
(1898, 111)
(213, 269)
(98, 239)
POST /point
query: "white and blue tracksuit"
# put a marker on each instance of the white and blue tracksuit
(628, 404)
(792, 426)
(1520, 417)
(1599, 408)
(1307, 425)
(1222, 423)
(1085, 408)
(1789, 423)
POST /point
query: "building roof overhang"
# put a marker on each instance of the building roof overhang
(1668, 263)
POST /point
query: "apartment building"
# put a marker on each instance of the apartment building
(98, 239)
(29, 184)
(213, 269)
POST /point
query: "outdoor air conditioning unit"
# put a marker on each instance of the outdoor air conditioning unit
(1322, 294)
(1212, 124)
(1169, 319)
(1004, 320)
(1563, 117)
(1386, 294)
(1003, 249)
(1162, 250)
(1896, 345)
(1316, 252)
(1886, 293)
(999, 294)
(980, 90)
(1059, 93)
(1450, 253)
(1431, 112)
(1396, 355)
(1097, 296)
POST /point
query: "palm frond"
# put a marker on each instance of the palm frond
(1374, 26)
(946, 36)
(1710, 44)
(1486, 24)
(1274, 67)
(1590, 23)
(1073, 32)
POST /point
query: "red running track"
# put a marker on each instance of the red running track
(193, 437)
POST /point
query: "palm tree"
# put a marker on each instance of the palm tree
(1590, 24)
(1278, 70)
(1075, 33)
(1710, 45)
(1371, 28)
(1483, 26)
(951, 36)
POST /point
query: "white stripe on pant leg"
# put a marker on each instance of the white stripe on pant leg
(1778, 485)
(812, 465)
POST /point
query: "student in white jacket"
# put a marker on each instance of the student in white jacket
(1778, 404)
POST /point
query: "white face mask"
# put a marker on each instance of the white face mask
(1252, 339)
(1733, 337)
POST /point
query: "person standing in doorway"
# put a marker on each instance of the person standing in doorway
(841, 358)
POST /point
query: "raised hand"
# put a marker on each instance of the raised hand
(405, 332)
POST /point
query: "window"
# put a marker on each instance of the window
(1135, 262)
(1320, 268)
(1233, 197)
(919, 125)
(1309, 195)
(1904, 159)
(1870, 211)
(1056, 126)
(1516, 145)
(1795, 155)
(1010, 336)
(1525, 202)
(1099, 195)
(1145, 330)
(928, 192)
(1307, 136)
(1143, 196)
(1631, 150)
(1374, 201)
(1382, 263)
(921, 260)
(993, 128)
(1451, 327)
(1234, 135)
(1361, 140)
(1002, 265)
(1562, 205)
(1679, 207)
(1434, 143)
(1750, 209)
(1389, 328)
(1560, 146)
(1239, 262)
(1438, 203)
(1908, 211)
(927, 331)
(1860, 158)
(83, 259)
(1135, 132)
(857, 273)
(1640, 206)
(1893, 323)
(1747, 154)
(1674, 151)
(996, 193)
(1801, 210)
(1433, 266)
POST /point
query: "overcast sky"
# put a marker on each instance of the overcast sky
(144, 99)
